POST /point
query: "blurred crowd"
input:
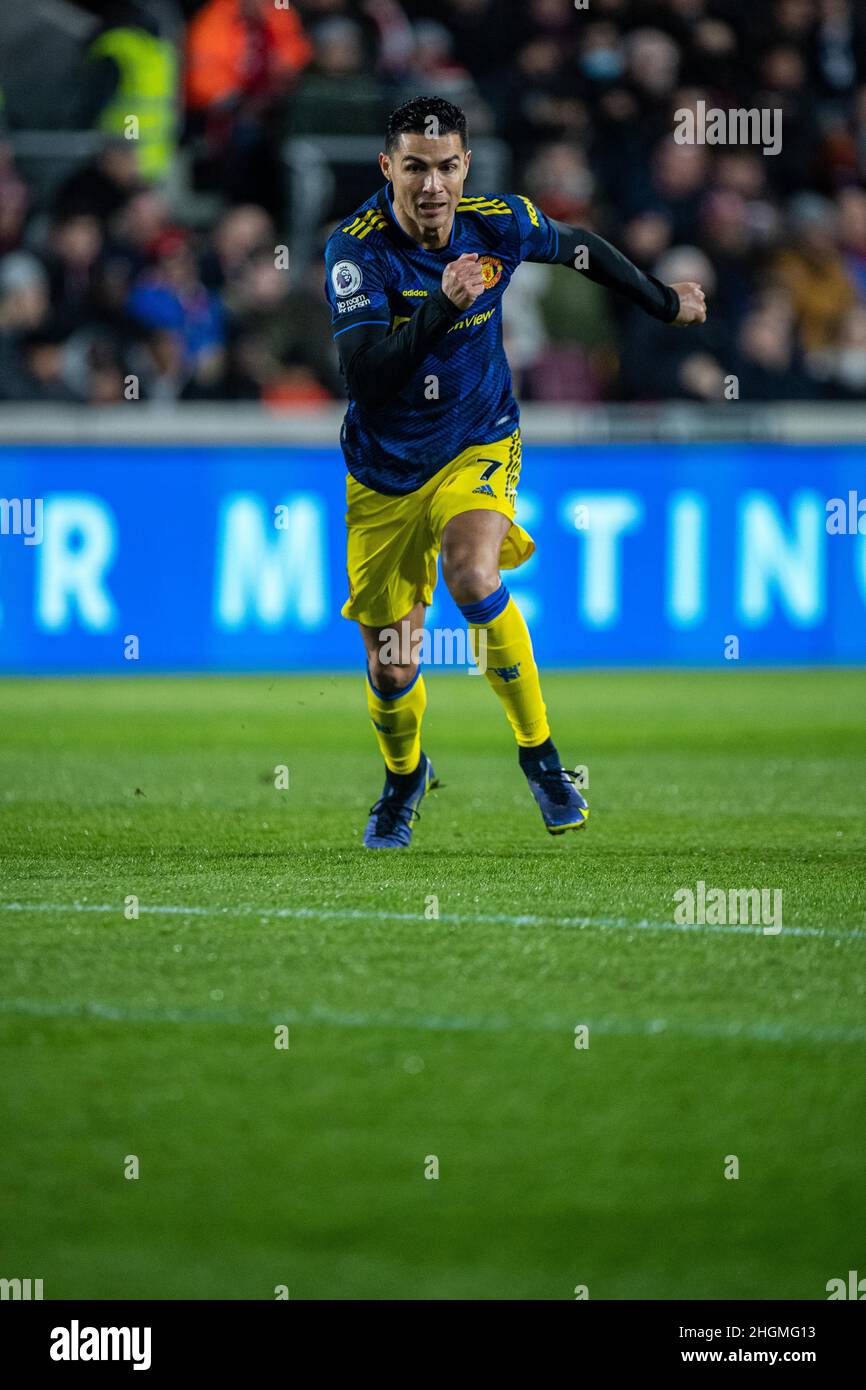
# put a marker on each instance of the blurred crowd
(157, 266)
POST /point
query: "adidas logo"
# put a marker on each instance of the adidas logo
(486, 489)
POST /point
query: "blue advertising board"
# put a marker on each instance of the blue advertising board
(232, 558)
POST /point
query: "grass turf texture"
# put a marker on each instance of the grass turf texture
(412, 1036)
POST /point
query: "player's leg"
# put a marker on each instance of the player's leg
(391, 566)
(396, 699)
(471, 546)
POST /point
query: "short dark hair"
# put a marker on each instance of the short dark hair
(414, 116)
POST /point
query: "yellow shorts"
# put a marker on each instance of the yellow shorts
(394, 542)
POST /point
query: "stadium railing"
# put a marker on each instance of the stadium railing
(222, 422)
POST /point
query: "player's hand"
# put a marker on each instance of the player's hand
(693, 304)
(463, 281)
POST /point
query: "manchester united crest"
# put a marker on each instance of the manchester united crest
(491, 269)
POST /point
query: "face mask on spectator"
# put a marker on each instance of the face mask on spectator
(602, 64)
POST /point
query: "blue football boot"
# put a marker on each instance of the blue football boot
(553, 786)
(392, 818)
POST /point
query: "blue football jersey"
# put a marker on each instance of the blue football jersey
(461, 394)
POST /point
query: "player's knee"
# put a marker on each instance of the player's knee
(389, 679)
(469, 580)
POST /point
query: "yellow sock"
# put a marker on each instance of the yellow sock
(501, 643)
(397, 721)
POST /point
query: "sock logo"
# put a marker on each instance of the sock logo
(508, 673)
(383, 728)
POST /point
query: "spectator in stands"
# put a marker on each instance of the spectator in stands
(680, 174)
(75, 248)
(582, 104)
(730, 240)
(578, 362)
(339, 92)
(171, 300)
(813, 271)
(653, 62)
(24, 300)
(483, 43)
(24, 307)
(41, 352)
(559, 179)
(766, 362)
(543, 104)
(280, 325)
(633, 117)
(242, 55)
(658, 366)
(838, 45)
(433, 68)
(14, 202)
(433, 59)
(131, 86)
(243, 58)
(852, 236)
(239, 234)
(138, 226)
(102, 186)
(842, 367)
(784, 87)
(646, 237)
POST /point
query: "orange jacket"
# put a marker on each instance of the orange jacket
(216, 49)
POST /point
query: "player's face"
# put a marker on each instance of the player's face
(428, 177)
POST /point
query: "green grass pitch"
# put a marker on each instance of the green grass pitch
(412, 1036)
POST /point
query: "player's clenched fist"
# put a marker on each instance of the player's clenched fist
(693, 304)
(463, 281)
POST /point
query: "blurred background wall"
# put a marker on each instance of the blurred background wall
(168, 379)
(259, 125)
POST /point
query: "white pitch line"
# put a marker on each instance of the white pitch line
(318, 1017)
(495, 919)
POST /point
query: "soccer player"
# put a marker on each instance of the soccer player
(431, 437)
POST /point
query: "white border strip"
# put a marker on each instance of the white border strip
(726, 1031)
(456, 919)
